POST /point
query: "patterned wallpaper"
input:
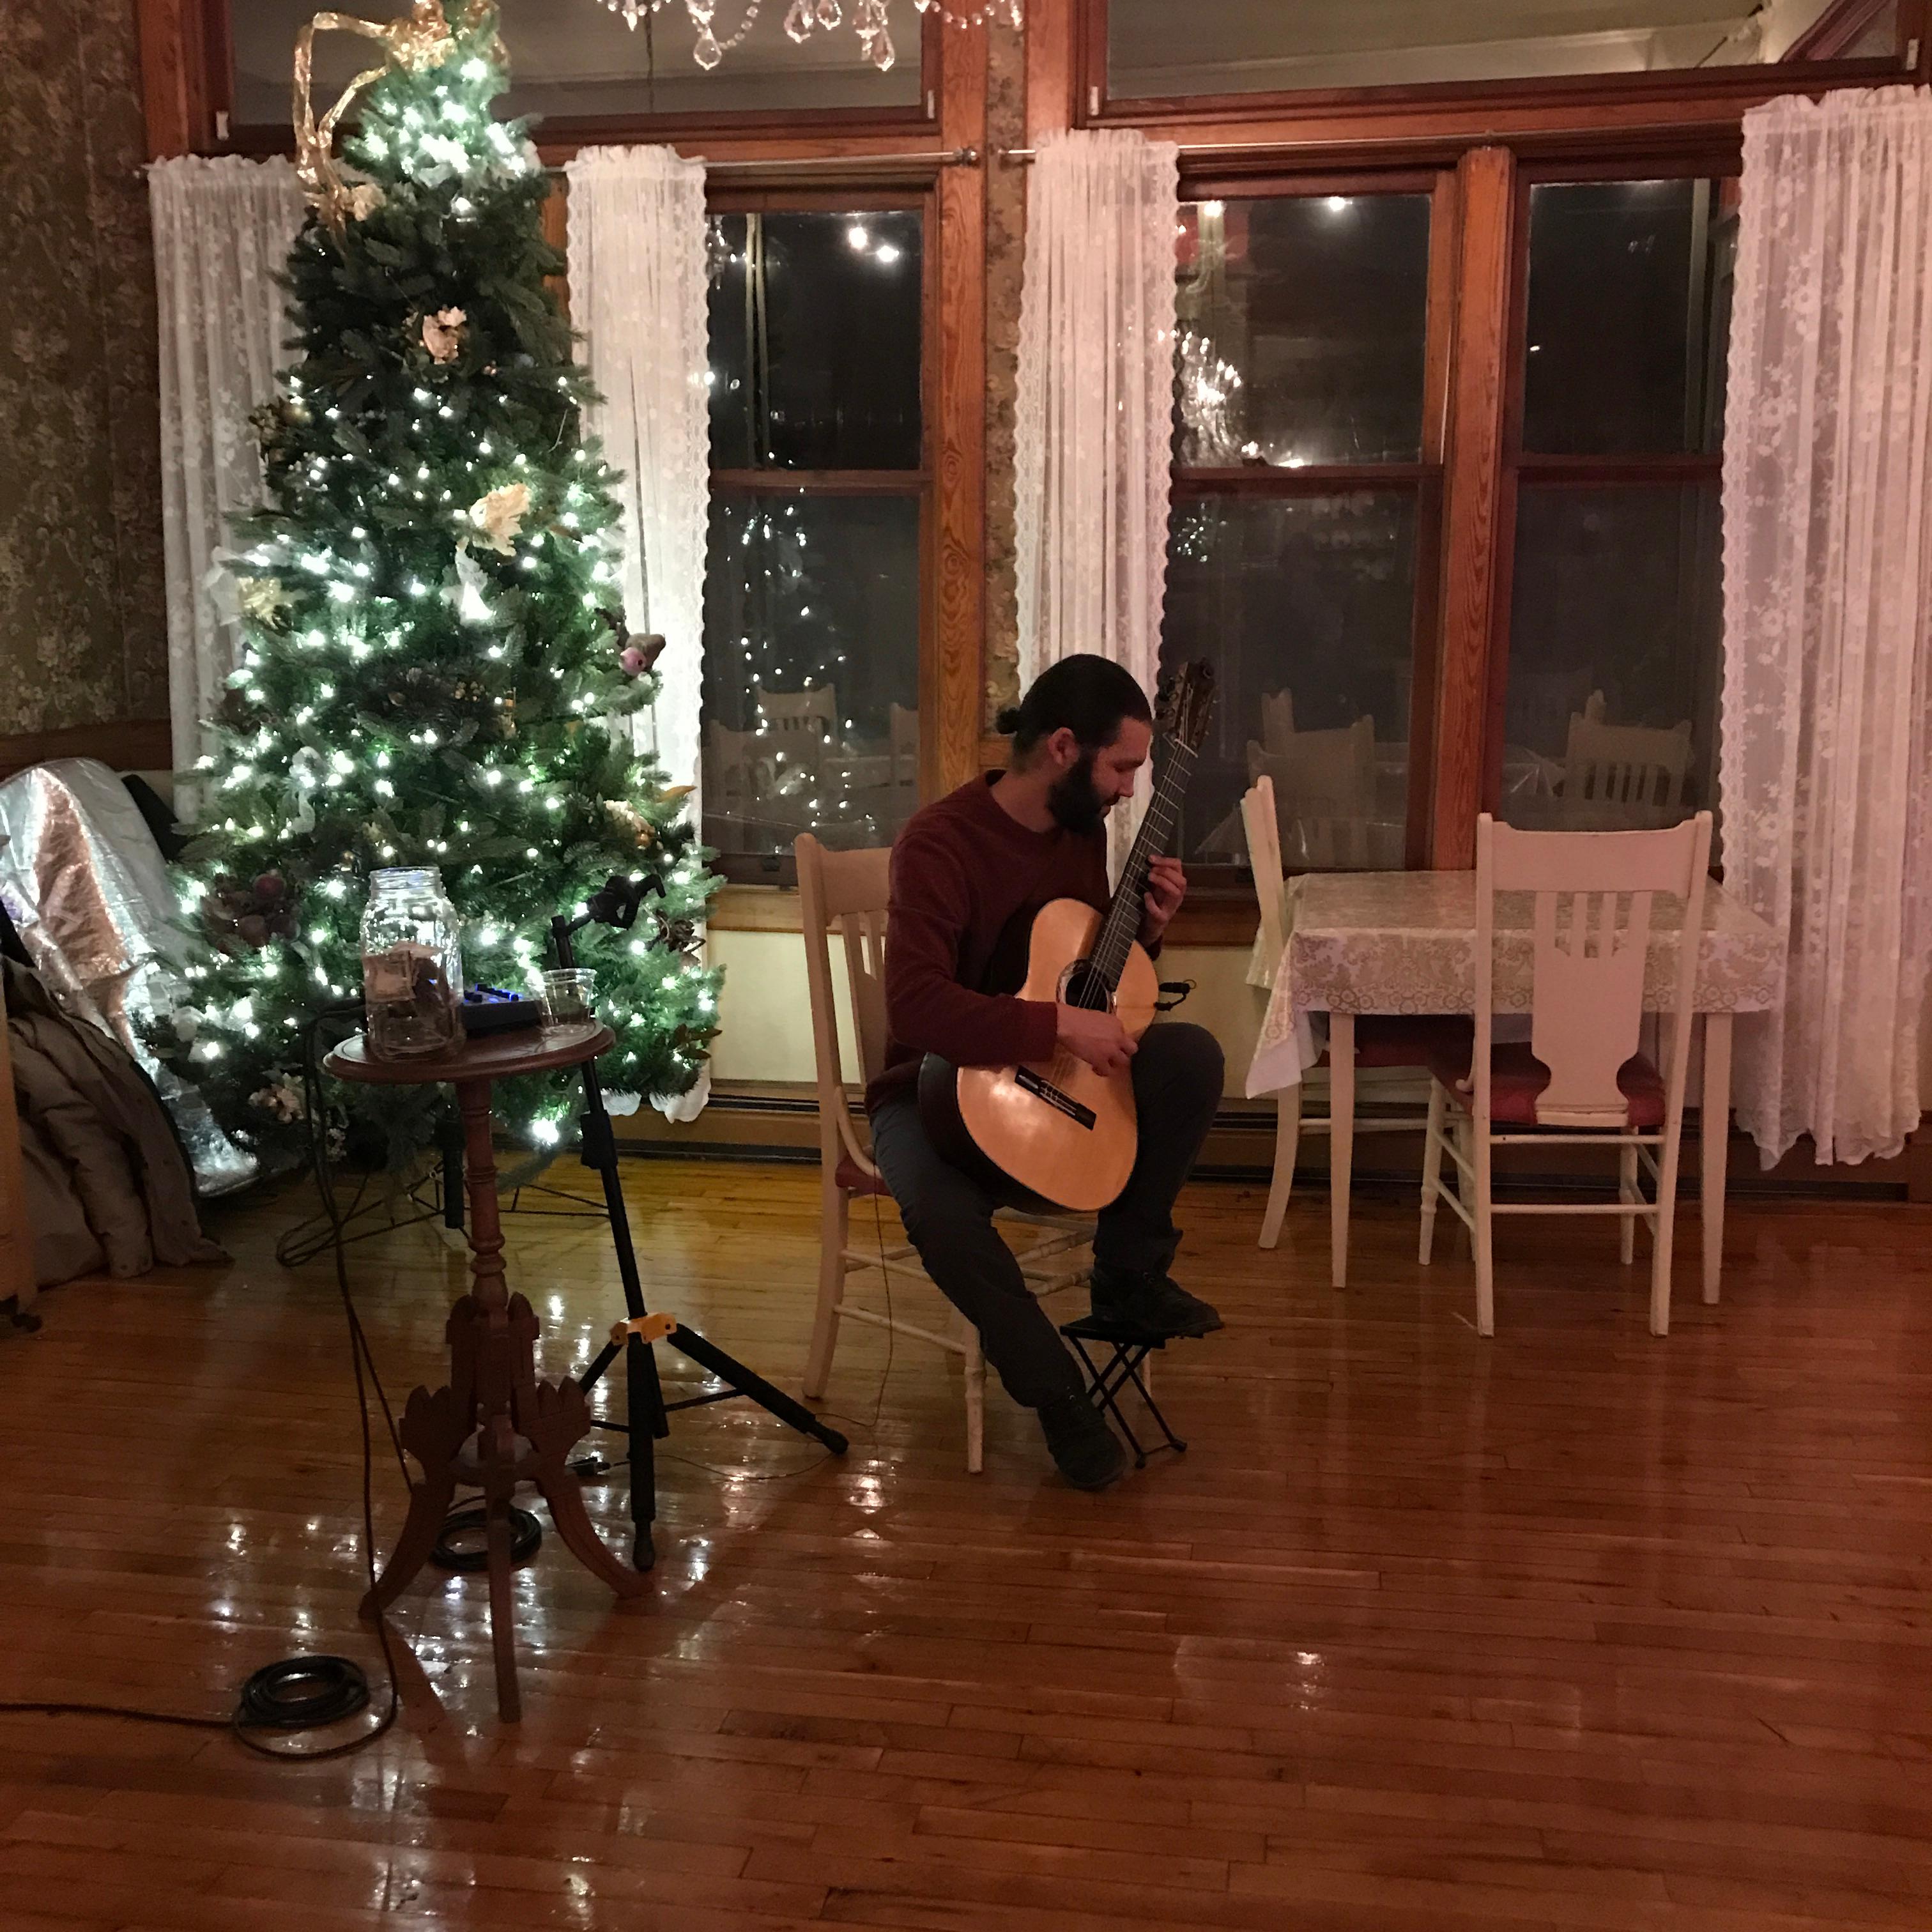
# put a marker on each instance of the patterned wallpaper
(82, 636)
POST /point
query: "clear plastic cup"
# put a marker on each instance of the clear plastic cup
(568, 996)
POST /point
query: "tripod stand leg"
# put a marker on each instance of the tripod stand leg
(644, 1411)
(727, 1369)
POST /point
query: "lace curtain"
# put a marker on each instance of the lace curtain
(223, 230)
(1096, 406)
(1827, 611)
(638, 296)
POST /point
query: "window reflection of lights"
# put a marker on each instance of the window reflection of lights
(885, 252)
(858, 236)
(1336, 204)
(1214, 208)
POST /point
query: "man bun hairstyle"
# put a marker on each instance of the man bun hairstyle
(1089, 696)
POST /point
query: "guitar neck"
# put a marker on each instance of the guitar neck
(1123, 922)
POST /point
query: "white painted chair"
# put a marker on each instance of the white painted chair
(904, 743)
(846, 892)
(1325, 790)
(1277, 719)
(737, 776)
(1394, 1040)
(1580, 1079)
(1633, 773)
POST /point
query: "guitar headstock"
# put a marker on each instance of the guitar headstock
(1183, 702)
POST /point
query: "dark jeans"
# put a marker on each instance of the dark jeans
(948, 1213)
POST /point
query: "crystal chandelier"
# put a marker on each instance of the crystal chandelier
(805, 17)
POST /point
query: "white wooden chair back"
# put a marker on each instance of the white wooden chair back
(737, 759)
(905, 746)
(1277, 719)
(1632, 768)
(797, 717)
(1320, 774)
(1264, 833)
(847, 891)
(1591, 904)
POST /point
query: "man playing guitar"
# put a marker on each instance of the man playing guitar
(969, 872)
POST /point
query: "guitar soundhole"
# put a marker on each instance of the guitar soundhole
(1085, 987)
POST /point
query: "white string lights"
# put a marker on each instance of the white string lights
(805, 17)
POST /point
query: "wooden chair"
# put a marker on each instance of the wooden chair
(1325, 790)
(1393, 1040)
(1277, 719)
(1580, 1078)
(846, 891)
(1634, 773)
(904, 742)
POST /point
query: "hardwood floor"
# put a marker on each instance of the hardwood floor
(1573, 1628)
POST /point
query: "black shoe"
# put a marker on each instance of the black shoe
(1155, 1304)
(1085, 1450)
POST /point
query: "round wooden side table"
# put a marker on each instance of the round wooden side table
(494, 1425)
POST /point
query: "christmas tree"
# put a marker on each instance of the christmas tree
(434, 667)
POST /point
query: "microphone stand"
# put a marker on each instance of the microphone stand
(647, 1414)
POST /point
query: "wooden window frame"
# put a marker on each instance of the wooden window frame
(202, 46)
(1660, 94)
(754, 869)
(1421, 478)
(1543, 469)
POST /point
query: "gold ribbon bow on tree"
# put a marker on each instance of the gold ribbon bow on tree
(422, 40)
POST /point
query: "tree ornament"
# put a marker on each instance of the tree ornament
(500, 516)
(442, 334)
(263, 600)
(628, 820)
(640, 654)
(362, 200)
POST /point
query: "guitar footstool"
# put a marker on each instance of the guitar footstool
(1126, 1349)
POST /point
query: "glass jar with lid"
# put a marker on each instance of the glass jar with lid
(411, 964)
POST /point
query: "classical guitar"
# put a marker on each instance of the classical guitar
(1061, 1130)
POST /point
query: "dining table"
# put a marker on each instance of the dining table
(1405, 943)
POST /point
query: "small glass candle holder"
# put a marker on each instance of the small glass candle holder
(567, 995)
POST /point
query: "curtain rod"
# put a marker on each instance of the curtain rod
(1023, 157)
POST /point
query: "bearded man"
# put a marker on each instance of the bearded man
(969, 872)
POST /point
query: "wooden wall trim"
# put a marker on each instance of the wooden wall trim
(960, 511)
(1474, 545)
(1052, 65)
(174, 77)
(127, 744)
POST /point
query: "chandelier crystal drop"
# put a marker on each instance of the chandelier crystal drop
(807, 17)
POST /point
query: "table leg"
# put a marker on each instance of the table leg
(1714, 1131)
(1341, 1138)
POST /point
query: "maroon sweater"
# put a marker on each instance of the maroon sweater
(968, 878)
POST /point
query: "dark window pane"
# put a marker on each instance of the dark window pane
(815, 341)
(1302, 323)
(1611, 715)
(1629, 288)
(1306, 607)
(572, 58)
(811, 669)
(1157, 48)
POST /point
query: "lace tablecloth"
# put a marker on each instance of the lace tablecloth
(1405, 943)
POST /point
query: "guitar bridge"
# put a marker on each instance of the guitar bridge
(1045, 1089)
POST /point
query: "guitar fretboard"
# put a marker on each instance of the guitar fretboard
(1122, 925)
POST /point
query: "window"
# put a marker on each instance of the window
(1302, 511)
(814, 589)
(1154, 50)
(1610, 708)
(577, 64)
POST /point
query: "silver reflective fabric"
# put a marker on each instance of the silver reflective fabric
(87, 888)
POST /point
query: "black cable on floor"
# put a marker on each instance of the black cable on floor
(296, 1693)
